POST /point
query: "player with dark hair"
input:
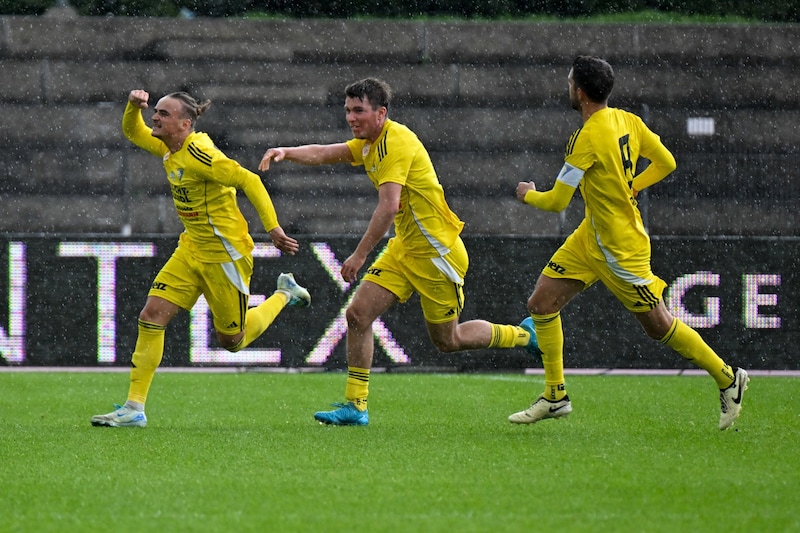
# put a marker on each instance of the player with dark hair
(611, 244)
(214, 253)
(426, 255)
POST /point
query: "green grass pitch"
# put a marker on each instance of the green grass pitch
(241, 452)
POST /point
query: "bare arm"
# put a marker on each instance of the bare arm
(309, 154)
(379, 224)
(283, 242)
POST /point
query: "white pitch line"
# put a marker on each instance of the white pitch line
(509, 375)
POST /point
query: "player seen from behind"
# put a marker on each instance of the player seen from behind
(611, 244)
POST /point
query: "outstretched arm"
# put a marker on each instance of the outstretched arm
(309, 154)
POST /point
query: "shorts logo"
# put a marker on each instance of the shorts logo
(159, 286)
(556, 267)
(374, 271)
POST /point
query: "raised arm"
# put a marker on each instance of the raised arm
(134, 127)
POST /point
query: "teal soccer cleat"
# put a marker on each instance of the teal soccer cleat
(533, 344)
(347, 414)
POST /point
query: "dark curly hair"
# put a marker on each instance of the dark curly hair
(594, 76)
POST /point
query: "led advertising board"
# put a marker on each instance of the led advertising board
(74, 300)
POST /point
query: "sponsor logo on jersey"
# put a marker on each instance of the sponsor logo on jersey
(555, 267)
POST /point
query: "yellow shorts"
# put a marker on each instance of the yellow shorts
(631, 280)
(226, 287)
(439, 281)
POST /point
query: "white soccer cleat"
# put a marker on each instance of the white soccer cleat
(542, 408)
(298, 296)
(730, 399)
(124, 416)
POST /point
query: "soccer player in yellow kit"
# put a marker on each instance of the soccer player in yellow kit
(611, 244)
(426, 255)
(214, 253)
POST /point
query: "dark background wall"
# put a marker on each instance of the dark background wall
(487, 99)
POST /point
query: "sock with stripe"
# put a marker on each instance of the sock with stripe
(357, 388)
(146, 357)
(550, 337)
(507, 336)
(259, 318)
(692, 347)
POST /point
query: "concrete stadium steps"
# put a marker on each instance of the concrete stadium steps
(63, 128)
(395, 41)
(22, 213)
(333, 215)
(695, 216)
(238, 81)
(487, 99)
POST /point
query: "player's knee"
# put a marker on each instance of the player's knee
(446, 345)
(148, 315)
(537, 305)
(356, 319)
(656, 332)
(652, 334)
(231, 343)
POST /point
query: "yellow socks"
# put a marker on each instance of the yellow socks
(692, 347)
(506, 336)
(550, 337)
(261, 317)
(146, 357)
(357, 388)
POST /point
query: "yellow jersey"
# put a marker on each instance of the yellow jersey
(424, 224)
(600, 158)
(203, 182)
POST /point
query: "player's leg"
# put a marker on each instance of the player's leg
(634, 284)
(174, 288)
(549, 297)
(227, 293)
(369, 302)
(659, 324)
(382, 286)
(259, 318)
(565, 276)
(440, 284)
